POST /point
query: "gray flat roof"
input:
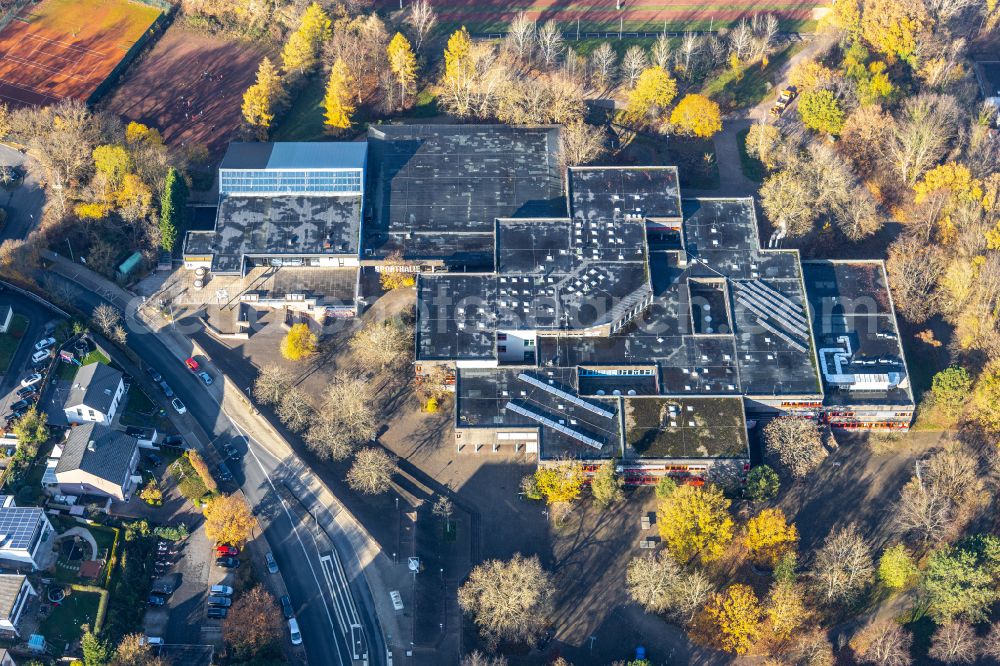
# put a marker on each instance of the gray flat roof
(279, 225)
(662, 427)
(296, 155)
(437, 189)
(456, 316)
(604, 193)
(851, 298)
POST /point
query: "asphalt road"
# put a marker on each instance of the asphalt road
(24, 203)
(258, 474)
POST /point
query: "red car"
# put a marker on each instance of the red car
(232, 551)
(191, 364)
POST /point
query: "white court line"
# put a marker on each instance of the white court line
(72, 45)
(296, 532)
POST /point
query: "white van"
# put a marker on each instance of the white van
(222, 590)
(293, 627)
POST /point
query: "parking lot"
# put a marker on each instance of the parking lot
(40, 324)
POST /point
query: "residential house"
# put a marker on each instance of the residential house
(95, 395)
(97, 460)
(15, 590)
(24, 532)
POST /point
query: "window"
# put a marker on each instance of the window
(260, 181)
(91, 412)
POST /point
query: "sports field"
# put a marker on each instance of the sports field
(59, 49)
(597, 17)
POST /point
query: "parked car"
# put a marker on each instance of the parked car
(221, 590)
(231, 451)
(227, 550)
(224, 472)
(178, 406)
(25, 392)
(173, 440)
(166, 589)
(153, 459)
(191, 364)
(286, 607)
(44, 343)
(156, 599)
(221, 602)
(272, 565)
(227, 562)
(216, 612)
(293, 630)
(31, 380)
(205, 377)
(167, 391)
(154, 375)
(40, 356)
(21, 405)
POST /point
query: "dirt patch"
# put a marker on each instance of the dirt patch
(59, 49)
(190, 87)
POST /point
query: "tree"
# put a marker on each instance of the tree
(151, 494)
(698, 115)
(919, 138)
(603, 65)
(769, 536)
(105, 317)
(606, 485)
(785, 609)
(172, 203)
(649, 99)
(112, 162)
(894, 27)
(665, 487)
(820, 111)
(299, 343)
(396, 272)
(383, 343)
(31, 430)
(372, 470)
(695, 521)
(896, 567)
(228, 520)
(633, 64)
(347, 418)
(201, 469)
(520, 39)
(842, 566)
(477, 658)
(812, 647)
(762, 483)
(295, 410)
(736, 615)
(796, 443)
(95, 651)
(422, 18)
(253, 624)
(458, 60)
(762, 142)
(133, 650)
(943, 497)
(338, 103)
(986, 396)
(883, 643)
(658, 584)
(954, 643)
(444, 509)
(660, 52)
(914, 268)
(991, 642)
(508, 600)
(301, 52)
(262, 99)
(272, 382)
(550, 42)
(403, 64)
(560, 482)
(960, 580)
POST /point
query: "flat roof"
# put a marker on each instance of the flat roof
(544, 399)
(456, 316)
(279, 225)
(851, 298)
(666, 427)
(296, 155)
(437, 189)
(604, 193)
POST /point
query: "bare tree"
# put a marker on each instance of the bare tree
(520, 39)
(796, 443)
(633, 64)
(990, 645)
(118, 334)
(939, 500)
(921, 135)
(603, 65)
(812, 648)
(765, 28)
(741, 41)
(691, 47)
(923, 509)
(660, 53)
(381, 344)
(955, 643)
(550, 43)
(372, 471)
(843, 565)
(326, 438)
(422, 18)
(580, 143)
(360, 43)
(477, 658)
(788, 198)
(294, 409)
(508, 600)
(660, 585)
(271, 384)
(914, 267)
(883, 643)
(857, 216)
(105, 317)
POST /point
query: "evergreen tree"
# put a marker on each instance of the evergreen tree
(338, 101)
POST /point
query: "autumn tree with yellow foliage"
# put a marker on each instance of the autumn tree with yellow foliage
(698, 115)
(695, 521)
(894, 27)
(338, 104)
(403, 65)
(458, 63)
(228, 520)
(785, 609)
(393, 274)
(299, 343)
(649, 99)
(301, 52)
(769, 536)
(263, 99)
(560, 483)
(732, 620)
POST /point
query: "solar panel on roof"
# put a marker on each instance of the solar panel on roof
(600, 411)
(555, 425)
(18, 526)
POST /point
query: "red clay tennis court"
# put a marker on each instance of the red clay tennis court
(59, 49)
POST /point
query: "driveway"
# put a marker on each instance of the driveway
(24, 203)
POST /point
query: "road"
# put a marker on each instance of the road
(260, 476)
(24, 203)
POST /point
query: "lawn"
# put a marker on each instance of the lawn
(11, 340)
(752, 167)
(68, 371)
(63, 623)
(745, 88)
(189, 483)
(304, 120)
(141, 411)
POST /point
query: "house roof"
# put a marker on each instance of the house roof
(109, 457)
(296, 155)
(18, 525)
(10, 587)
(94, 386)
